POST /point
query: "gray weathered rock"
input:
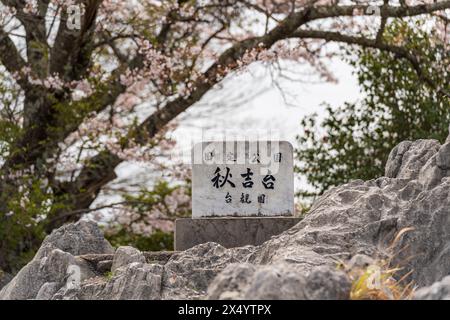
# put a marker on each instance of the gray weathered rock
(437, 291)
(352, 223)
(279, 281)
(52, 261)
(125, 256)
(83, 237)
(406, 159)
(136, 281)
(48, 290)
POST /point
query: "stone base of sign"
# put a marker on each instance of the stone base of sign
(229, 232)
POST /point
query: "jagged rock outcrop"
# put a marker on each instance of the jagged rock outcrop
(60, 252)
(439, 290)
(279, 281)
(125, 256)
(358, 219)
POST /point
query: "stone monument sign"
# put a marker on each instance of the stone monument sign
(242, 194)
(242, 179)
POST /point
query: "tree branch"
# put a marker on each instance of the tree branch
(9, 56)
(332, 11)
(100, 169)
(383, 22)
(35, 32)
(71, 53)
(103, 164)
(369, 43)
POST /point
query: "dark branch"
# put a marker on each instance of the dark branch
(369, 43)
(9, 56)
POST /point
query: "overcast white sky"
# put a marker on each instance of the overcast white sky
(258, 108)
(250, 106)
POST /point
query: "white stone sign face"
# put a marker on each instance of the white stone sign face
(242, 178)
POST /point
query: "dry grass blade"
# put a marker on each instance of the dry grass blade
(399, 236)
(377, 281)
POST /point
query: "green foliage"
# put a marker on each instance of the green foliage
(354, 141)
(21, 230)
(9, 128)
(156, 198)
(158, 240)
(151, 211)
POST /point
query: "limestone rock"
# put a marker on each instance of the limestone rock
(327, 284)
(406, 159)
(354, 223)
(102, 263)
(56, 259)
(83, 237)
(47, 291)
(125, 256)
(136, 281)
(437, 291)
(279, 281)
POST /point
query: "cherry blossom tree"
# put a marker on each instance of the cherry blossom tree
(74, 73)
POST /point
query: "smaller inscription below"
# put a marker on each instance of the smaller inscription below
(242, 178)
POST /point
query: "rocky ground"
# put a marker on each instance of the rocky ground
(349, 223)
